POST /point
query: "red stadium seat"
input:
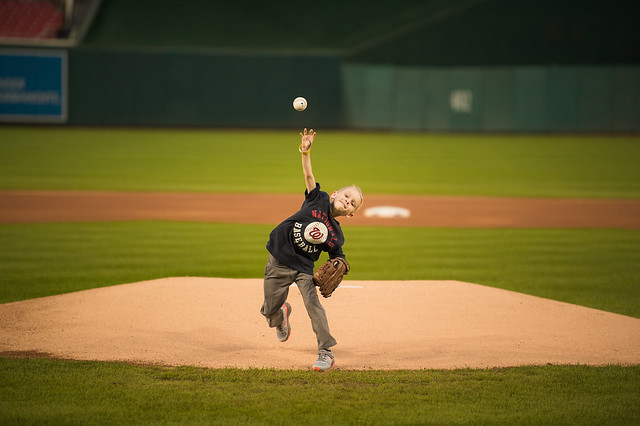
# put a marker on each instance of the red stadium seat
(29, 19)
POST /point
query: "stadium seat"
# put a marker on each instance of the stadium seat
(29, 19)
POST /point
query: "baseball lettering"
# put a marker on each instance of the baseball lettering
(318, 214)
(316, 233)
(299, 240)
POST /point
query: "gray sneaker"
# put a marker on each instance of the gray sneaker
(283, 331)
(325, 361)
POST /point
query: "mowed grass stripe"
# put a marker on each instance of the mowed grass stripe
(590, 267)
(268, 161)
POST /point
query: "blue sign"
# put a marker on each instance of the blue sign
(33, 85)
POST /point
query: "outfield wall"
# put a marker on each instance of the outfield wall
(200, 88)
(183, 88)
(493, 99)
(156, 87)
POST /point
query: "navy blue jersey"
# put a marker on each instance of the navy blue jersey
(298, 241)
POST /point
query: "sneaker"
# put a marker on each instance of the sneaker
(283, 331)
(325, 361)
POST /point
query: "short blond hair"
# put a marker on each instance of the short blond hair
(357, 188)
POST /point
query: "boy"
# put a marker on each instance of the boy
(296, 244)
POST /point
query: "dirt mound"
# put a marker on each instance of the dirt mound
(216, 323)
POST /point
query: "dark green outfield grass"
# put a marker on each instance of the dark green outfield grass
(268, 161)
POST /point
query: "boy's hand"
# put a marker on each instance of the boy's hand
(307, 139)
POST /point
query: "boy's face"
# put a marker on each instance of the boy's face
(345, 202)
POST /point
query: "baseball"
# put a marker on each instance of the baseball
(316, 233)
(300, 103)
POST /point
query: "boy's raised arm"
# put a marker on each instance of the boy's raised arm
(305, 149)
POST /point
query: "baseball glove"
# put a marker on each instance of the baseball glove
(329, 275)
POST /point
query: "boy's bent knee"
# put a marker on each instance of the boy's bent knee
(307, 289)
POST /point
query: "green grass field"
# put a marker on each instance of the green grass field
(596, 268)
(591, 267)
(68, 392)
(268, 161)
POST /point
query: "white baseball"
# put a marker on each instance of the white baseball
(300, 103)
(316, 233)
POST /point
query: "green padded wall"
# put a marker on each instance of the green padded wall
(493, 99)
(196, 88)
(199, 88)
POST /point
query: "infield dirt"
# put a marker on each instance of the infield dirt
(454, 212)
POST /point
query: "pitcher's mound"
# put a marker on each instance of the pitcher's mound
(216, 323)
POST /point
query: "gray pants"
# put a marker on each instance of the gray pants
(277, 279)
